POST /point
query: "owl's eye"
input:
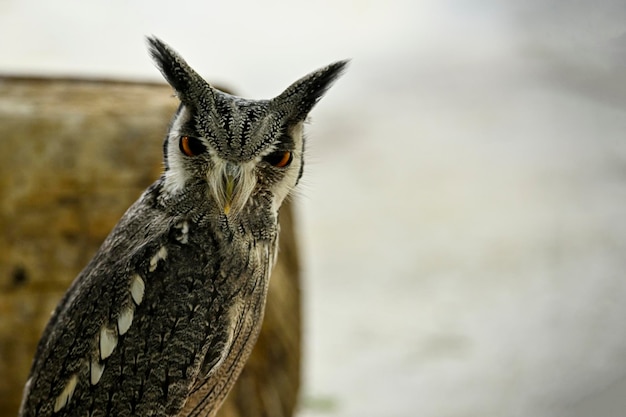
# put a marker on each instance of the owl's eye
(191, 146)
(279, 159)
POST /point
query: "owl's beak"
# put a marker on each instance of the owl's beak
(229, 186)
(232, 185)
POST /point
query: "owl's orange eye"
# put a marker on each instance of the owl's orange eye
(191, 146)
(279, 159)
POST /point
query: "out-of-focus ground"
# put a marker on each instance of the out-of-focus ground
(463, 211)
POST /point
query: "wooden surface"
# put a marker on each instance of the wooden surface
(73, 156)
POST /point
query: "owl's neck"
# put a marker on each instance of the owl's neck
(258, 223)
(258, 220)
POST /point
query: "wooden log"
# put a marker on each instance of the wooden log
(73, 156)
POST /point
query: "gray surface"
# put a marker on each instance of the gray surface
(463, 213)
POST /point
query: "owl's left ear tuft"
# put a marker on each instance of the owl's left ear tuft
(173, 67)
(299, 98)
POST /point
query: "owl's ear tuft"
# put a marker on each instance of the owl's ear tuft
(173, 67)
(299, 98)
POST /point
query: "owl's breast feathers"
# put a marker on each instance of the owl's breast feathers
(159, 323)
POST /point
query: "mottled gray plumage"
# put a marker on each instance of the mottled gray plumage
(163, 318)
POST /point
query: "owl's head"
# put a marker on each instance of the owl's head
(237, 149)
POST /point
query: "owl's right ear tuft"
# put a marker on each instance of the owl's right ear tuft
(173, 67)
(299, 98)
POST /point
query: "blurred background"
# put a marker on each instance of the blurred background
(462, 217)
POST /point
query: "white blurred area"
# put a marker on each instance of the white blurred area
(463, 213)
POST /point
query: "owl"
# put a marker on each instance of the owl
(163, 318)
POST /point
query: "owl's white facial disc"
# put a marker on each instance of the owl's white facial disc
(176, 174)
(292, 174)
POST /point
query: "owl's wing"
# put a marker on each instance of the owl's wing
(133, 331)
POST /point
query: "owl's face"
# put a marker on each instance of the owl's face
(235, 163)
(241, 152)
